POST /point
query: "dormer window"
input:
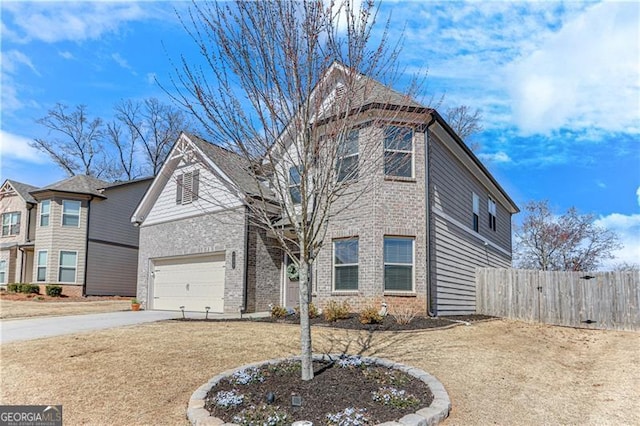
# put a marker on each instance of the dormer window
(188, 187)
(10, 224)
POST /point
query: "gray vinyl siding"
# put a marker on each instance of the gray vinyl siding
(111, 270)
(458, 249)
(454, 184)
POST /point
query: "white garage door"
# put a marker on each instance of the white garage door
(192, 282)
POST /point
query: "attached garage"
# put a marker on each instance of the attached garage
(193, 282)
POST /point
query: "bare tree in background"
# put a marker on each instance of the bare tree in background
(78, 141)
(568, 242)
(465, 123)
(135, 143)
(283, 85)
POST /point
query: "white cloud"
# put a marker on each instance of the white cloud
(638, 195)
(151, 77)
(628, 229)
(55, 21)
(16, 147)
(496, 157)
(584, 75)
(66, 54)
(13, 59)
(117, 57)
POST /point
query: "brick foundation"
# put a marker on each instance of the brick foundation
(67, 290)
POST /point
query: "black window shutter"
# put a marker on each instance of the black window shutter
(179, 189)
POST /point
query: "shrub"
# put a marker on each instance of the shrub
(54, 290)
(13, 288)
(30, 288)
(404, 315)
(278, 311)
(370, 315)
(313, 311)
(335, 311)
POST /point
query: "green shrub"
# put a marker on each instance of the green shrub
(278, 312)
(13, 288)
(370, 315)
(54, 290)
(30, 288)
(335, 311)
(313, 311)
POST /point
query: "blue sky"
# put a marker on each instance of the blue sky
(558, 84)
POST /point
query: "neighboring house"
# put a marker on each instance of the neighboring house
(414, 241)
(79, 235)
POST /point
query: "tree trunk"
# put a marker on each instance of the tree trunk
(305, 326)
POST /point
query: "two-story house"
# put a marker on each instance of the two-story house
(414, 240)
(79, 235)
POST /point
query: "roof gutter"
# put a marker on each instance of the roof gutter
(431, 303)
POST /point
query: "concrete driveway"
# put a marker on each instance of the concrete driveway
(36, 328)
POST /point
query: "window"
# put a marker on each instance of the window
(45, 211)
(345, 264)
(70, 213)
(68, 264)
(347, 164)
(492, 214)
(3, 271)
(294, 185)
(476, 212)
(10, 224)
(188, 187)
(41, 273)
(398, 151)
(398, 264)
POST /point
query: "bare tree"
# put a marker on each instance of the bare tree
(465, 123)
(284, 85)
(136, 142)
(75, 140)
(568, 242)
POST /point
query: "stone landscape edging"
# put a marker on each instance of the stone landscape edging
(436, 412)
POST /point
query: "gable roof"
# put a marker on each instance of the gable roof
(79, 184)
(22, 189)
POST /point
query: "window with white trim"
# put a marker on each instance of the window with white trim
(294, 185)
(348, 157)
(398, 263)
(41, 268)
(492, 214)
(398, 151)
(476, 212)
(68, 266)
(45, 212)
(10, 224)
(3, 271)
(71, 213)
(345, 264)
(188, 187)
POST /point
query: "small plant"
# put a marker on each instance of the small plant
(279, 312)
(264, 415)
(228, 399)
(348, 417)
(335, 311)
(394, 397)
(313, 311)
(370, 315)
(284, 368)
(404, 314)
(13, 288)
(29, 288)
(135, 301)
(53, 290)
(347, 361)
(386, 376)
(247, 376)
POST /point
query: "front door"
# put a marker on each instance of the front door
(292, 290)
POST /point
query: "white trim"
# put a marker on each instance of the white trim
(60, 266)
(46, 265)
(413, 264)
(468, 230)
(79, 213)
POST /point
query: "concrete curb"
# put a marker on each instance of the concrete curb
(427, 416)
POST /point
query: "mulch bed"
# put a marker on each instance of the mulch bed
(352, 323)
(332, 390)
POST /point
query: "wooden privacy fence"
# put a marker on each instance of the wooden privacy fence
(604, 300)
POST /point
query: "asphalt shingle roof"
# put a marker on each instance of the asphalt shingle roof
(79, 184)
(23, 189)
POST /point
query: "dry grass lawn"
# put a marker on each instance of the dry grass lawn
(498, 372)
(10, 309)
